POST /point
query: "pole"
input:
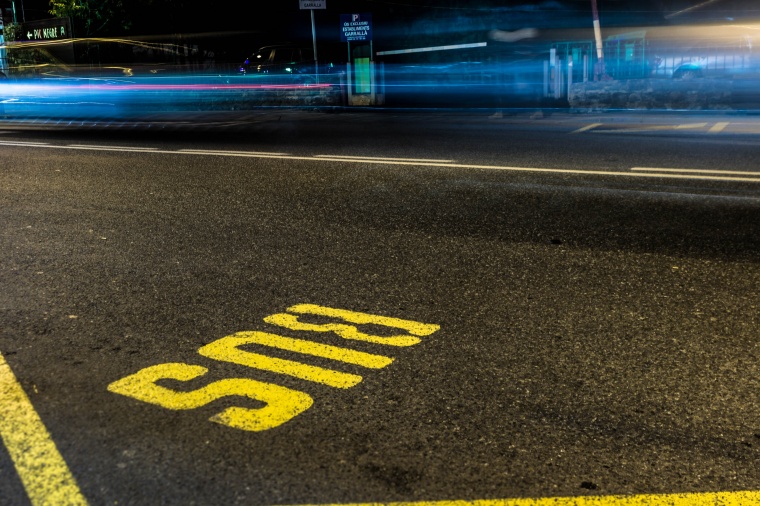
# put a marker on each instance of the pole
(3, 56)
(599, 69)
(314, 43)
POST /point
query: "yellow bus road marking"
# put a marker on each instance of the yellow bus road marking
(415, 328)
(586, 128)
(43, 472)
(744, 498)
(718, 127)
(225, 350)
(337, 353)
(282, 403)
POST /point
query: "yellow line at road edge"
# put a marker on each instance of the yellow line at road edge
(746, 498)
(42, 470)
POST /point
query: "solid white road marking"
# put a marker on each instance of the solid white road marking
(718, 127)
(640, 174)
(701, 171)
(375, 158)
(654, 128)
(231, 153)
(115, 148)
(586, 128)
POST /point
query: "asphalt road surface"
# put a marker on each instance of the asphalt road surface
(301, 307)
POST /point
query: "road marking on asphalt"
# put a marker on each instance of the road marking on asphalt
(654, 128)
(553, 171)
(104, 146)
(282, 404)
(226, 350)
(253, 154)
(380, 158)
(718, 127)
(23, 143)
(43, 472)
(586, 128)
(701, 171)
(304, 347)
(689, 499)
(690, 126)
(109, 148)
(229, 153)
(112, 148)
(290, 321)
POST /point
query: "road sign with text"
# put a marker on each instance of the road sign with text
(355, 27)
(313, 4)
(45, 30)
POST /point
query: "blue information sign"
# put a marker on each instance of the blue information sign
(355, 27)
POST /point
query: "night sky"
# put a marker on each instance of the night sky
(273, 21)
(276, 15)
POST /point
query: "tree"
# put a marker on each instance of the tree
(93, 17)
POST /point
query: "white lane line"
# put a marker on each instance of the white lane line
(586, 128)
(691, 125)
(22, 143)
(110, 148)
(213, 152)
(641, 174)
(718, 127)
(700, 171)
(379, 158)
(555, 171)
(655, 128)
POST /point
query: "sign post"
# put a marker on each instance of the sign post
(362, 80)
(3, 59)
(311, 5)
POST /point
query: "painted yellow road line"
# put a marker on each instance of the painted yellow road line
(701, 171)
(43, 472)
(718, 127)
(748, 498)
(587, 128)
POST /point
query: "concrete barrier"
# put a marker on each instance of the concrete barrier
(669, 94)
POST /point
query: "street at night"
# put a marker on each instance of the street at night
(295, 306)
